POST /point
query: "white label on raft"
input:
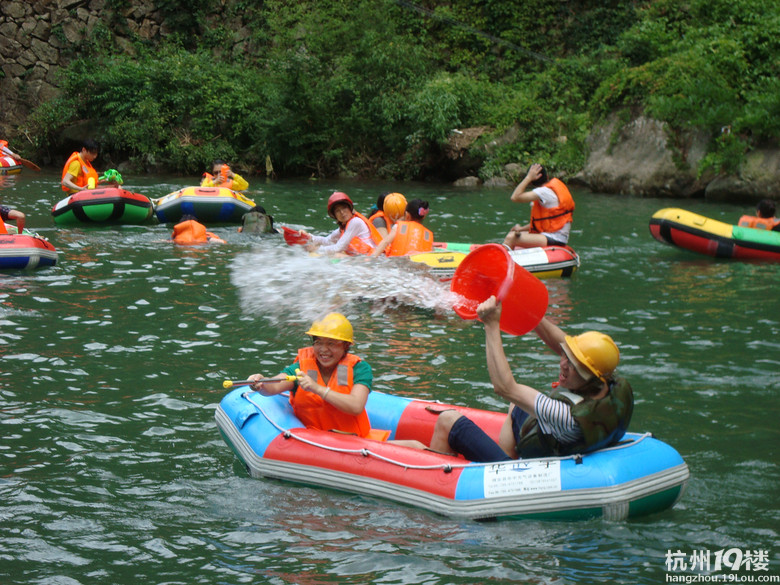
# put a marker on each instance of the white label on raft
(522, 477)
(529, 256)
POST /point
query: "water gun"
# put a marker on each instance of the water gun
(111, 176)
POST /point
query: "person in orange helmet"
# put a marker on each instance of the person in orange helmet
(589, 408)
(408, 234)
(390, 209)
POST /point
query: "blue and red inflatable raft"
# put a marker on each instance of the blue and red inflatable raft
(639, 476)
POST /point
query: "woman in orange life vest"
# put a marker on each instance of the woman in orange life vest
(391, 208)
(7, 213)
(408, 236)
(764, 219)
(354, 234)
(552, 207)
(190, 232)
(223, 177)
(328, 385)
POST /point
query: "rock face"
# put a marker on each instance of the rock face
(634, 158)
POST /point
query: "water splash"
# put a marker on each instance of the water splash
(281, 282)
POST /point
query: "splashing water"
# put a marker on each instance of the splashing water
(281, 282)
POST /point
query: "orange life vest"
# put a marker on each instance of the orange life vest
(358, 246)
(208, 179)
(191, 232)
(410, 237)
(87, 172)
(3, 229)
(313, 411)
(759, 223)
(552, 219)
(381, 215)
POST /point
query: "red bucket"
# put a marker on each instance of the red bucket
(294, 237)
(490, 270)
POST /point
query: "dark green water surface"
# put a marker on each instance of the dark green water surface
(112, 470)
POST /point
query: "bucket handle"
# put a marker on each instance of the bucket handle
(510, 277)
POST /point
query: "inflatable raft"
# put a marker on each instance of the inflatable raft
(109, 206)
(25, 252)
(703, 235)
(8, 166)
(639, 476)
(206, 204)
(542, 262)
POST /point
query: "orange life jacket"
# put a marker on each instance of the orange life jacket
(3, 229)
(358, 246)
(208, 179)
(191, 232)
(381, 215)
(410, 237)
(552, 219)
(759, 223)
(313, 411)
(87, 172)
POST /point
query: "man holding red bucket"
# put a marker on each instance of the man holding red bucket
(589, 408)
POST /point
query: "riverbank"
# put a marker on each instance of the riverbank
(635, 159)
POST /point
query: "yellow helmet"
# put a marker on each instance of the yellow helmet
(394, 205)
(596, 351)
(332, 326)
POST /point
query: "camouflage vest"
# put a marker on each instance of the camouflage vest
(602, 421)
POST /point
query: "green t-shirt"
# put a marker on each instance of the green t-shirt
(362, 373)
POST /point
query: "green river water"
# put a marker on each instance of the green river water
(112, 470)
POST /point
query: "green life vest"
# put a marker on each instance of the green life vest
(602, 421)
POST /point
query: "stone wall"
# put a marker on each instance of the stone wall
(38, 37)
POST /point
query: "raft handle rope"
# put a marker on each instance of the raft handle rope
(446, 467)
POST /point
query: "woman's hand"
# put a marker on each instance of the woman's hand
(305, 381)
(257, 386)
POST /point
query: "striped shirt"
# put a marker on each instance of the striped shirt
(555, 419)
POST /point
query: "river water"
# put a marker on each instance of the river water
(112, 470)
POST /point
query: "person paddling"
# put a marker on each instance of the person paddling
(328, 385)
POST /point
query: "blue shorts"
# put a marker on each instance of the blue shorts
(474, 444)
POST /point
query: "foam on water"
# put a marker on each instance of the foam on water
(279, 283)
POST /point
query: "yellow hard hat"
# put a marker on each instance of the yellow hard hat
(595, 351)
(394, 205)
(332, 326)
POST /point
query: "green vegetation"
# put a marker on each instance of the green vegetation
(376, 87)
